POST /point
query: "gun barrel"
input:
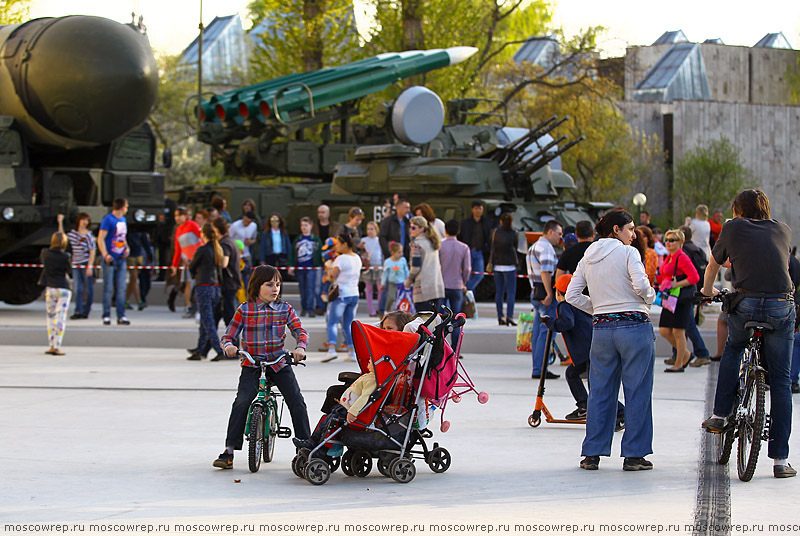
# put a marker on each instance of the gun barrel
(537, 156)
(549, 158)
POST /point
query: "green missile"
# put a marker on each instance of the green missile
(275, 100)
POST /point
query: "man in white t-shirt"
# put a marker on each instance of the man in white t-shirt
(245, 230)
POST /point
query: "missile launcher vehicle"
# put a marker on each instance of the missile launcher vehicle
(74, 94)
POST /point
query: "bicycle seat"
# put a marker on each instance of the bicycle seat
(761, 326)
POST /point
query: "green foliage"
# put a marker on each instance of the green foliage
(302, 36)
(14, 11)
(712, 174)
(174, 127)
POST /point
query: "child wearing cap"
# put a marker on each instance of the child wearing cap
(576, 328)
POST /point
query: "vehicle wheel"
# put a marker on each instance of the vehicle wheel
(402, 470)
(483, 397)
(361, 463)
(255, 440)
(751, 427)
(299, 463)
(347, 463)
(725, 446)
(439, 460)
(456, 399)
(269, 441)
(317, 472)
(383, 467)
(334, 463)
(535, 420)
(445, 426)
(295, 470)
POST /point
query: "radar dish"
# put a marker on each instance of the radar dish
(417, 115)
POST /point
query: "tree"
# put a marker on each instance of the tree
(302, 36)
(14, 11)
(175, 127)
(712, 174)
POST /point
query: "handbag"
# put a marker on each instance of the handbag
(539, 291)
(333, 292)
(469, 309)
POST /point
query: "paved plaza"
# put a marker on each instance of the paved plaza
(118, 436)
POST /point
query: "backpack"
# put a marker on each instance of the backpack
(442, 371)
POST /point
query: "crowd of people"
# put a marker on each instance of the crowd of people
(598, 292)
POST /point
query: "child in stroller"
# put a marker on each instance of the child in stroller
(383, 429)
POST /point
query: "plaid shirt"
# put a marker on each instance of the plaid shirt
(263, 329)
(541, 258)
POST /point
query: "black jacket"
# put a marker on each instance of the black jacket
(504, 249)
(390, 232)
(467, 226)
(202, 267)
(57, 265)
(231, 276)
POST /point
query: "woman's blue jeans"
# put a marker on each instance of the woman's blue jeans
(83, 283)
(777, 351)
(505, 283)
(622, 351)
(341, 310)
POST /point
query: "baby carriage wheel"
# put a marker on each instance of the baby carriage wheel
(402, 470)
(445, 426)
(457, 399)
(439, 460)
(383, 467)
(334, 463)
(483, 397)
(317, 472)
(535, 420)
(361, 463)
(347, 463)
(299, 463)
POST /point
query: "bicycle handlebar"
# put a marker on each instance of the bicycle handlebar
(281, 354)
(699, 297)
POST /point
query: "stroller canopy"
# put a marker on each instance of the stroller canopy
(376, 344)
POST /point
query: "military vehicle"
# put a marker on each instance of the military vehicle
(74, 94)
(262, 131)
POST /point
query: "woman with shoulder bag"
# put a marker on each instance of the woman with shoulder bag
(503, 259)
(206, 268)
(57, 290)
(425, 273)
(677, 272)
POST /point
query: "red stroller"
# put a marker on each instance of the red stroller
(385, 428)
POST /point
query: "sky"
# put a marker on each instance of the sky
(173, 24)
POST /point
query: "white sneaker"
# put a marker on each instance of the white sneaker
(330, 355)
(351, 356)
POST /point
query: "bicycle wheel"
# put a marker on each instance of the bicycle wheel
(751, 426)
(255, 439)
(272, 432)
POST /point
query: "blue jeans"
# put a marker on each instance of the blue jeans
(114, 278)
(795, 367)
(454, 299)
(320, 289)
(777, 350)
(83, 282)
(476, 256)
(505, 282)
(208, 297)
(539, 335)
(621, 351)
(306, 280)
(342, 310)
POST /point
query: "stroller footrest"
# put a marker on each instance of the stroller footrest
(284, 432)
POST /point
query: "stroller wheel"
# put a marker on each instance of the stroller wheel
(317, 472)
(334, 463)
(383, 467)
(439, 460)
(402, 470)
(483, 397)
(445, 426)
(299, 463)
(457, 399)
(347, 463)
(361, 463)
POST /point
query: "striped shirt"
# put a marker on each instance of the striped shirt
(82, 245)
(541, 258)
(263, 329)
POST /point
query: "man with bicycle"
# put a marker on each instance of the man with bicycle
(758, 249)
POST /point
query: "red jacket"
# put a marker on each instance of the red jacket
(187, 240)
(685, 267)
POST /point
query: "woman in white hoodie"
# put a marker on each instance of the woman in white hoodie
(623, 342)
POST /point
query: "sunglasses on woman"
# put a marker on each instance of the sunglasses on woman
(671, 240)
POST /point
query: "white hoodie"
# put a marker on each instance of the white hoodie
(616, 279)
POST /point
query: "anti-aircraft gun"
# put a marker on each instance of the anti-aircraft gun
(74, 94)
(261, 131)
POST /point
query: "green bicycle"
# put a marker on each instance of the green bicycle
(264, 416)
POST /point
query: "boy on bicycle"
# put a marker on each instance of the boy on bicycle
(261, 321)
(758, 248)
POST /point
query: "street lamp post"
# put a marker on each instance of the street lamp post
(639, 200)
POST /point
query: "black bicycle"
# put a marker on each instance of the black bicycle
(264, 417)
(749, 422)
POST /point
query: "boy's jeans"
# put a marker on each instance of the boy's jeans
(306, 280)
(114, 277)
(621, 350)
(777, 351)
